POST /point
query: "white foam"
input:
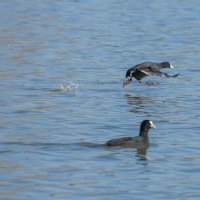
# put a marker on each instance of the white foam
(66, 87)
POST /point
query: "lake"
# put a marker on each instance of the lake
(61, 72)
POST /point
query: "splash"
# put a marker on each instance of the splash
(66, 87)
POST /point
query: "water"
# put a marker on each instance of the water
(62, 68)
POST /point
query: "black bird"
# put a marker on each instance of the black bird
(146, 69)
(139, 142)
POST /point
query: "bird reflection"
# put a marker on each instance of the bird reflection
(141, 153)
(139, 102)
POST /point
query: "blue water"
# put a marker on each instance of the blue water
(62, 64)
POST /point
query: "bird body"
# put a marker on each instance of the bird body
(136, 142)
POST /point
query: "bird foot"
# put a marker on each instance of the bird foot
(126, 82)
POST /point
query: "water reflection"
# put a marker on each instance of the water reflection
(139, 102)
(144, 104)
(141, 153)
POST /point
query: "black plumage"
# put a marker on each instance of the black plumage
(147, 69)
(139, 142)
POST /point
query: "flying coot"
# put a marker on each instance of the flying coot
(146, 69)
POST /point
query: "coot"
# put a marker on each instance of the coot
(139, 142)
(146, 69)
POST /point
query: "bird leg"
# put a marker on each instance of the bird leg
(127, 81)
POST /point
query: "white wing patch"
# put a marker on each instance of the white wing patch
(145, 72)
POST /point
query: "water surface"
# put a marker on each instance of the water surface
(61, 73)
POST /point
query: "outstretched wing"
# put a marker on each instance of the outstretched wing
(149, 71)
(146, 65)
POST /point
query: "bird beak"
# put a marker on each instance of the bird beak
(127, 81)
(152, 125)
(171, 66)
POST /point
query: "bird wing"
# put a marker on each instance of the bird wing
(125, 141)
(150, 71)
(145, 68)
(145, 65)
(118, 142)
(149, 68)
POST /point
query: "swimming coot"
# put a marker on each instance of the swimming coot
(139, 142)
(146, 69)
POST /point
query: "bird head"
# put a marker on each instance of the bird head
(148, 124)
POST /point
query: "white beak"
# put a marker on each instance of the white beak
(152, 125)
(171, 66)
